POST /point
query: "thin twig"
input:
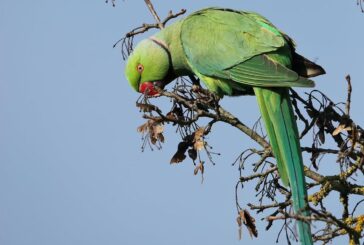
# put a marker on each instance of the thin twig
(154, 13)
(348, 101)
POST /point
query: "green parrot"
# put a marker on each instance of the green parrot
(236, 53)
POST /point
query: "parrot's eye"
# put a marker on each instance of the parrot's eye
(140, 68)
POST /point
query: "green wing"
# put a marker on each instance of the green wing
(239, 46)
(263, 71)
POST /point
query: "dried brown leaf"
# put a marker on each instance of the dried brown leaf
(340, 128)
(153, 129)
(199, 145)
(239, 221)
(143, 128)
(314, 158)
(199, 133)
(321, 135)
(241, 214)
(202, 168)
(179, 156)
(195, 171)
(178, 112)
(310, 113)
(199, 168)
(189, 139)
(158, 128)
(153, 140)
(161, 137)
(249, 222)
(145, 107)
(171, 116)
(192, 153)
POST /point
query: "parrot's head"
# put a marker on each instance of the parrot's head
(148, 66)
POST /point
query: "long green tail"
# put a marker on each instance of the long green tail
(278, 117)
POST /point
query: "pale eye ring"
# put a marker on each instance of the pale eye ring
(140, 68)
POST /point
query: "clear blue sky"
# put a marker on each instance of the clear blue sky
(71, 169)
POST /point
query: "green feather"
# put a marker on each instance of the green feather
(277, 113)
(234, 36)
(272, 136)
(263, 71)
(246, 49)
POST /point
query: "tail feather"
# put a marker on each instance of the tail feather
(273, 138)
(305, 67)
(282, 130)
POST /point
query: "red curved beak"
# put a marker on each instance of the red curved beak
(148, 88)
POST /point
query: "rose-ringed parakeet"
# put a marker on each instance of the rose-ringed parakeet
(236, 53)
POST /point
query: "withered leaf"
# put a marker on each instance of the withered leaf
(192, 153)
(249, 222)
(314, 157)
(238, 220)
(143, 128)
(161, 137)
(202, 168)
(170, 115)
(158, 128)
(153, 140)
(183, 146)
(178, 112)
(340, 128)
(319, 123)
(195, 171)
(321, 135)
(175, 114)
(153, 129)
(189, 139)
(199, 145)
(145, 107)
(179, 156)
(310, 113)
(199, 168)
(199, 133)
(198, 139)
